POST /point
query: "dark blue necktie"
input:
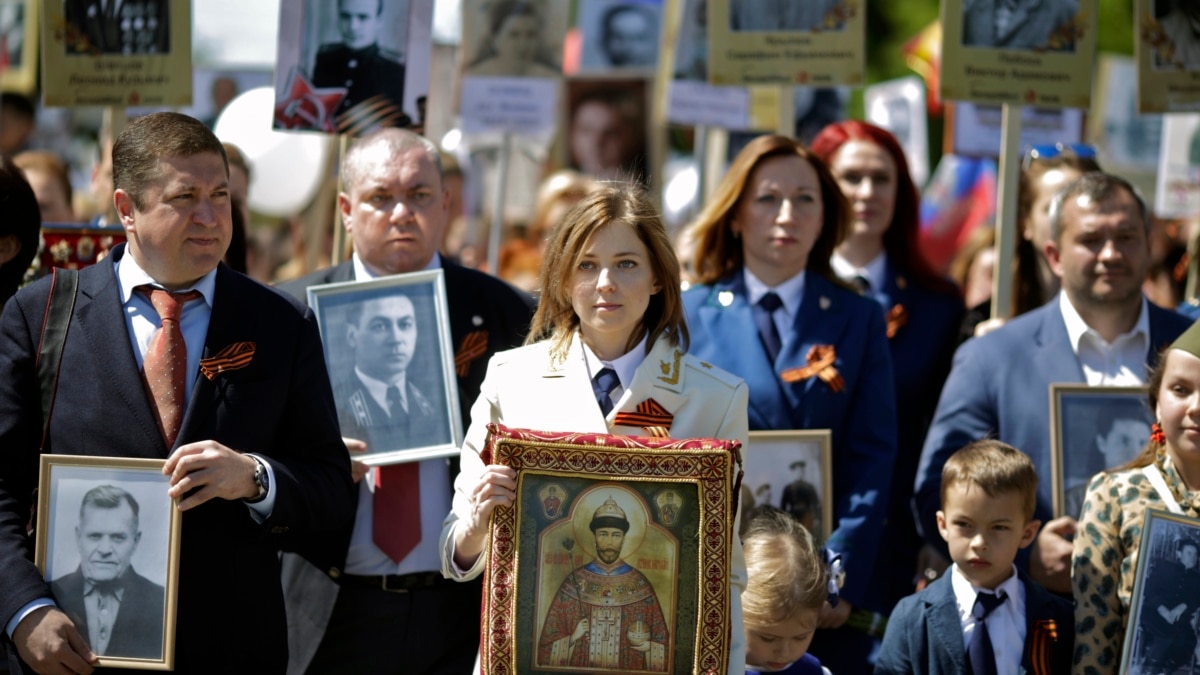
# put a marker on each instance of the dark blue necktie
(980, 652)
(764, 318)
(603, 385)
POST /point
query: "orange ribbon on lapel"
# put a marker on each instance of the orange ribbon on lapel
(234, 357)
(650, 415)
(473, 346)
(897, 316)
(1041, 651)
(820, 363)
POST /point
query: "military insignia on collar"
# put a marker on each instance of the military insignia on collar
(234, 357)
(670, 370)
(725, 298)
(820, 363)
(706, 364)
(477, 321)
(824, 302)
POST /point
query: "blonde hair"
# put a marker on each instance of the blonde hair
(994, 467)
(784, 570)
(610, 203)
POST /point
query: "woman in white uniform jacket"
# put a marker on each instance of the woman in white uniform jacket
(610, 299)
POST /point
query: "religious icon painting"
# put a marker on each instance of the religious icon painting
(1163, 635)
(792, 471)
(392, 365)
(1092, 429)
(107, 543)
(609, 580)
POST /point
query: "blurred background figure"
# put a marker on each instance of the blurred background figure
(521, 257)
(19, 228)
(629, 35)
(513, 43)
(17, 121)
(239, 191)
(1046, 168)
(47, 175)
(224, 89)
(607, 135)
(104, 213)
(972, 270)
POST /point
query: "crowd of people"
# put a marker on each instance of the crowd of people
(807, 304)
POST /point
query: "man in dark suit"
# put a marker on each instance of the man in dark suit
(1100, 331)
(120, 610)
(358, 63)
(139, 27)
(358, 608)
(245, 374)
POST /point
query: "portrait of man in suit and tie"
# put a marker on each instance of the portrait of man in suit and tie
(132, 27)
(379, 401)
(119, 611)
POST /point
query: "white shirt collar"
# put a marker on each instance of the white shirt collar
(624, 365)
(791, 292)
(1077, 328)
(130, 275)
(873, 271)
(362, 273)
(965, 592)
(378, 388)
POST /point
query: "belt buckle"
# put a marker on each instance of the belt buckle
(383, 584)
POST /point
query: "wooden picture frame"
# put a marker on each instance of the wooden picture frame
(668, 612)
(1161, 576)
(1092, 429)
(778, 472)
(109, 519)
(353, 317)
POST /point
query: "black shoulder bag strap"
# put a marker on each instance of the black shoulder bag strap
(57, 321)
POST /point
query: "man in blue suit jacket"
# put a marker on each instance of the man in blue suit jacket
(1100, 330)
(274, 400)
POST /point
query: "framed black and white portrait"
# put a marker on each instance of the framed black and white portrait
(619, 35)
(1164, 612)
(1092, 429)
(1178, 34)
(108, 544)
(792, 471)
(513, 38)
(388, 350)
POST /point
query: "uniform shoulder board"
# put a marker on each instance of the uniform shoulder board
(391, 55)
(330, 48)
(695, 365)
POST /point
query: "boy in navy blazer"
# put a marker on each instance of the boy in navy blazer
(983, 616)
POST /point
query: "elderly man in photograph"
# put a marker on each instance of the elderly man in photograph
(120, 610)
(169, 354)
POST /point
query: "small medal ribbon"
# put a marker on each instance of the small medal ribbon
(234, 357)
(820, 363)
(650, 415)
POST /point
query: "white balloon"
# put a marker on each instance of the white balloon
(286, 167)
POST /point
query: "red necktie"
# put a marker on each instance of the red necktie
(397, 507)
(165, 364)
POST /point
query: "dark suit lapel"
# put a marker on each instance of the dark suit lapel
(1054, 356)
(725, 316)
(100, 319)
(1161, 332)
(224, 329)
(821, 321)
(944, 623)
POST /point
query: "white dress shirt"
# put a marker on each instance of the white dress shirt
(1006, 623)
(1121, 362)
(624, 366)
(791, 292)
(873, 271)
(364, 557)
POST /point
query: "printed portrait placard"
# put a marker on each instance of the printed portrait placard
(1038, 55)
(1167, 45)
(816, 43)
(18, 46)
(132, 53)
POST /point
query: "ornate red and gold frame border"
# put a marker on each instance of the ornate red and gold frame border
(678, 501)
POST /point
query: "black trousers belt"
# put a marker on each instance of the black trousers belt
(396, 583)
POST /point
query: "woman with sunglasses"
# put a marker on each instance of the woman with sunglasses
(769, 309)
(923, 310)
(608, 335)
(1046, 169)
